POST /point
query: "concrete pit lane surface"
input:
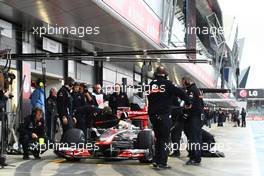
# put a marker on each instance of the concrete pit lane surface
(239, 147)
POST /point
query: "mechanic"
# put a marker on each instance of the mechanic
(64, 105)
(89, 99)
(52, 113)
(159, 109)
(118, 99)
(105, 116)
(178, 126)
(78, 99)
(31, 131)
(194, 121)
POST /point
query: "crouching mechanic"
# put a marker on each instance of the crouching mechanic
(160, 98)
(32, 132)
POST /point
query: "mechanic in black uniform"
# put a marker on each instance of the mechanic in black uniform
(194, 121)
(78, 98)
(89, 99)
(243, 115)
(79, 101)
(64, 104)
(160, 98)
(118, 99)
(178, 126)
(51, 113)
(31, 131)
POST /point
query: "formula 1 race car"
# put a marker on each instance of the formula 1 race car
(116, 138)
(126, 144)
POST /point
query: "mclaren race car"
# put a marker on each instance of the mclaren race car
(125, 136)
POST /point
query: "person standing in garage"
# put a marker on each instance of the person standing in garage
(160, 100)
(99, 96)
(37, 98)
(78, 101)
(64, 105)
(51, 113)
(194, 121)
(118, 99)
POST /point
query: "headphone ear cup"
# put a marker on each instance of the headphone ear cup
(41, 84)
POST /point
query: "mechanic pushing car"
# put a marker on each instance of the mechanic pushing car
(64, 104)
(160, 98)
(194, 121)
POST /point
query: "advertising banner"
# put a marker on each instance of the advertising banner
(250, 93)
(26, 89)
(139, 14)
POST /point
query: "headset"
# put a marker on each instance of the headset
(40, 83)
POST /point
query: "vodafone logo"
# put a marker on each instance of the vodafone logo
(243, 93)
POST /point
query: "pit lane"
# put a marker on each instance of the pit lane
(239, 160)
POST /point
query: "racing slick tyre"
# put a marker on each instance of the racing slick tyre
(73, 159)
(73, 136)
(145, 140)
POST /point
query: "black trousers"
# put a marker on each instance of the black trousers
(51, 121)
(85, 118)
(82, 124)
(176, 133)
(161, 126)
(195, 137)
(243, 121)
(25, 140)
(238, 122)
(69, 125)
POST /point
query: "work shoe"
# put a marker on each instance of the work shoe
(26, 157)
(193, 163)
(154, 164)
(175, 154)
(163, 167)
(37, 157)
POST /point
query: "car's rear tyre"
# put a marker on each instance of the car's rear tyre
(145, 140)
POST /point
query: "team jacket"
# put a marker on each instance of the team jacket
(64, 102)
(196, 99)
(161, 93)
(31, 126)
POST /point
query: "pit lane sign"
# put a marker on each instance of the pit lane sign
(250, 93)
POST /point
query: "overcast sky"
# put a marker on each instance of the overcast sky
(250, 17)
